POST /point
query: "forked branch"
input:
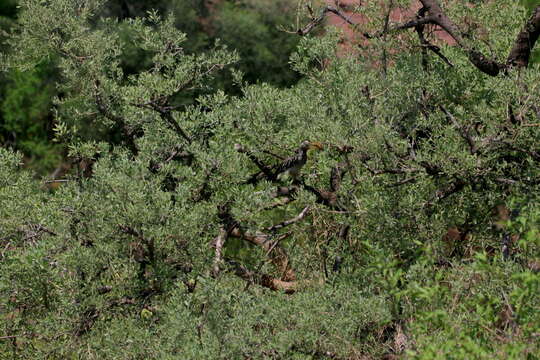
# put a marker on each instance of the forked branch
(432, 13)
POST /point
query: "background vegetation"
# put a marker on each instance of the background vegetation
(251, 28)
(154, 226)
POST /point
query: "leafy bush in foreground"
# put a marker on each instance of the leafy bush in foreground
(185, 242)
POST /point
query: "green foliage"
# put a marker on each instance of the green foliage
(256, 30)
(120, 261)
(25, 116)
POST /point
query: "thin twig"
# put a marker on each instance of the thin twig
(463, 131)
(57, 181)
(316, 21)
(290, 221)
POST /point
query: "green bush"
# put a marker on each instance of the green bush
(385, 245)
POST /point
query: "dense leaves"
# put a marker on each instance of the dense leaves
(413, 232)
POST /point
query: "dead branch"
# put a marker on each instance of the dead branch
(219, 242)
(277, 255)
(270, 282)
(283, 224)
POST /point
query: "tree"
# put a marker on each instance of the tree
(182, 240)
(27, 127)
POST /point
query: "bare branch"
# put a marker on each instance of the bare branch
(165, 112)
(283, 224)
(271, 282)
(56, 181)
(219, 242)
(385, 30)
(463, 131)
(278, 256)
(426, 45)
(407, 25)
(316, 21)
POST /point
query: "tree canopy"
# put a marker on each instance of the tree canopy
(411, 230)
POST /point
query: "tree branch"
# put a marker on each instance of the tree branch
(270, 282)
(463, 131)
(219, 242)
(316, 21)
(444, 192)
(336, 175)
(265, 169)
(426, 45)
(525, 41)
(277, 255)
(283, 224)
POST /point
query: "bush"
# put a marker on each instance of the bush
(187, 240)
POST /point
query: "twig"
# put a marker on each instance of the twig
(385, 30)
(290, 221)
(403, 182)
(278, 256)
(57, 181)
(219, 242)
(316, 21)
(463, 131)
